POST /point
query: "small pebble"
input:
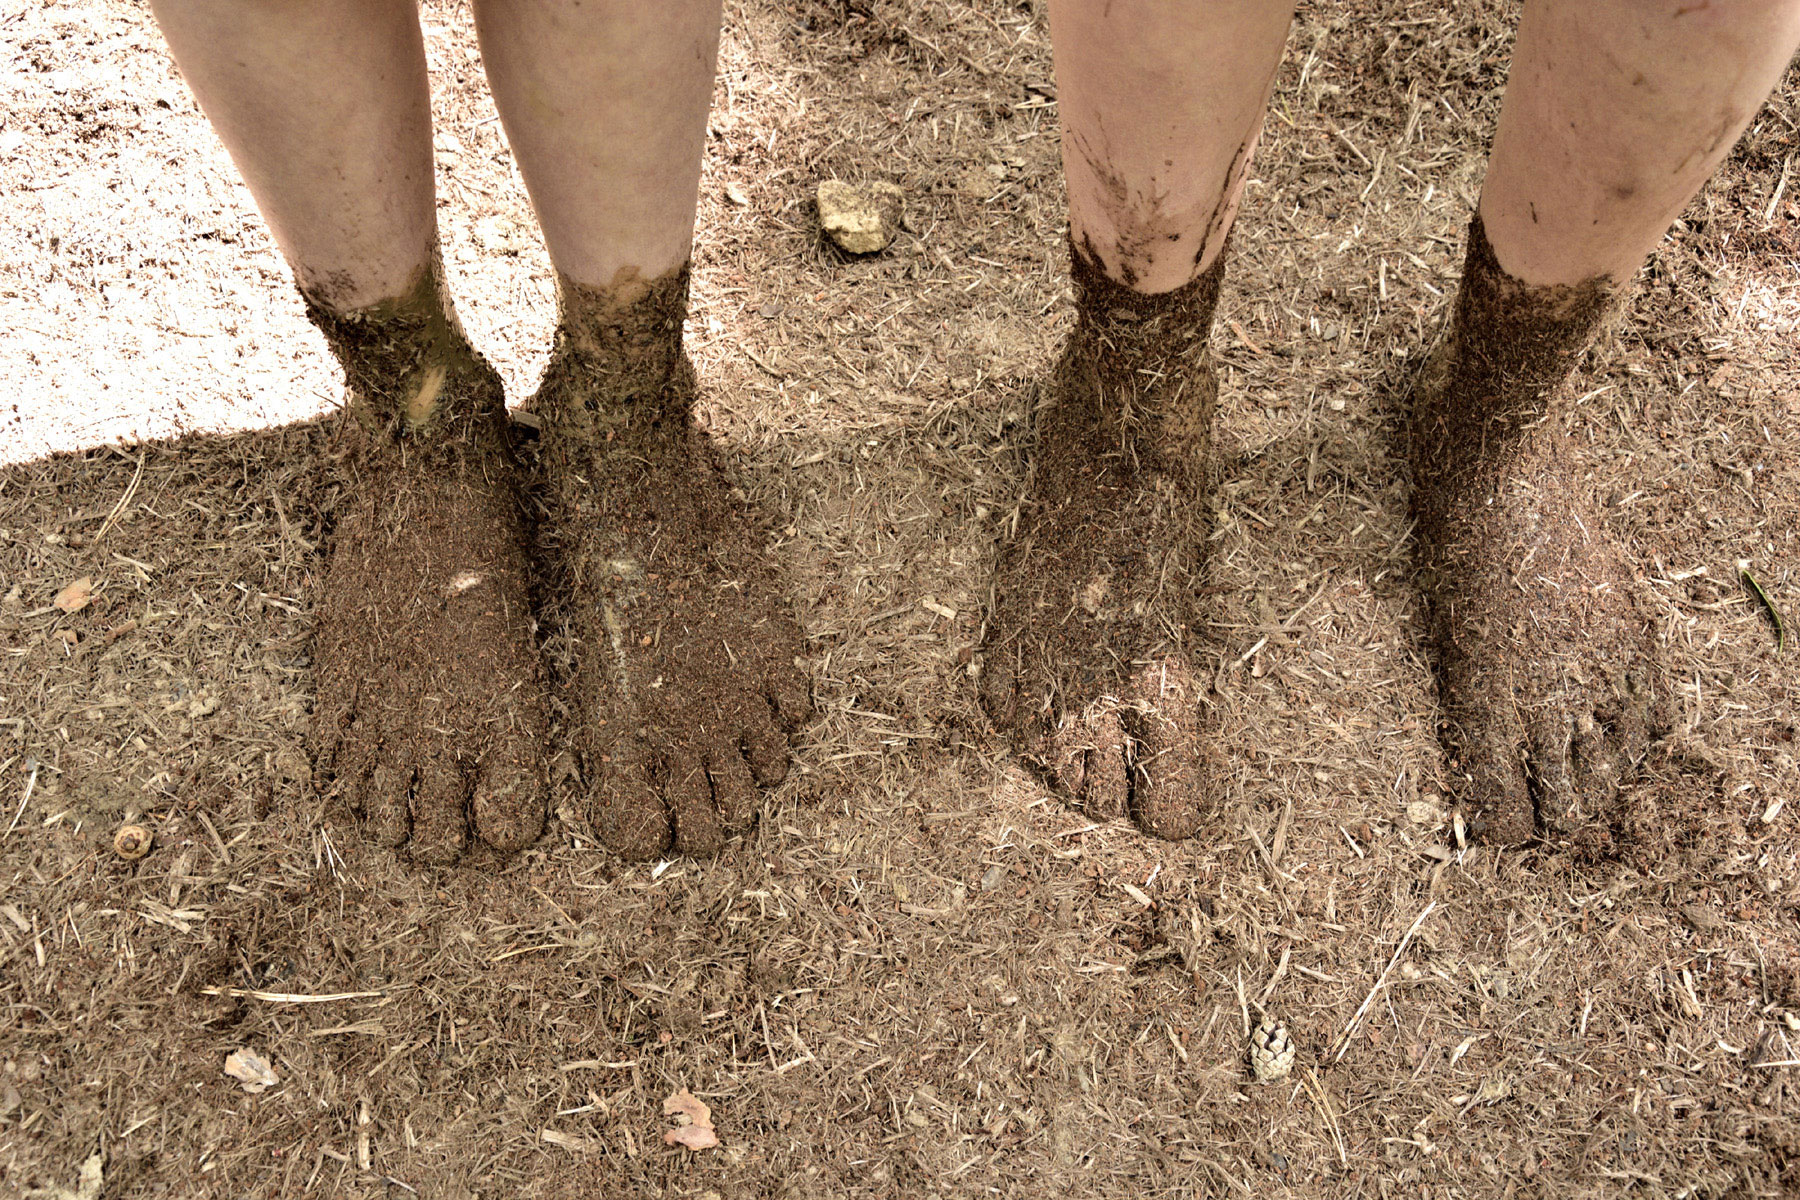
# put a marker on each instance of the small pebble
(132, 842)
(859, 218)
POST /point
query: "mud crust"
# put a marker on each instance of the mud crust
(430, 717)
(1089, 649)
(1550, 676)
(680, 659)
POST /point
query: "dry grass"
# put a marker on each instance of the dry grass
(920, 976)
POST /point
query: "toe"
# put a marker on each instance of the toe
(998, 695)
(1174, 775)
(733, 787)
(1631, 722)
(1650, 685)
(686, 789)
(767, 749)
(331, 725)
(791, 697)
(1063, 756)
(1550, 767)
(1593, 759)
(440, 823)
(509, 797)
(383, 799)
(1489, 742)
(627, 812)
(1097, 741)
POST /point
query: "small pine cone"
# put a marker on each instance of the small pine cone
(1271, 1051)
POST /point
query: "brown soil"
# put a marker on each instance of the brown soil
(679, 656)
(919, 973)
(1089, 654)
(1550, 674)
(430, 718)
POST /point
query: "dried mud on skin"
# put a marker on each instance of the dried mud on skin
(679, 651)
(918, 972)
(1089, 657)
(429, 719)
(1551, 678)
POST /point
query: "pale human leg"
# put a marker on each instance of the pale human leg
(429, 719)
(681, 677)
(1549, 674)
(1088, 659)
(326, 111)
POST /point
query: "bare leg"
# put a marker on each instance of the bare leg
(605, 106)
(429, 718)
(1617, 112)
(326, 112)
(682, 667)
(1088, 654)
(1161, 107)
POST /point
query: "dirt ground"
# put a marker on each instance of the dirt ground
(919, 976)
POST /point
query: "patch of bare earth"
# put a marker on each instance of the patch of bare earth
(918, 974)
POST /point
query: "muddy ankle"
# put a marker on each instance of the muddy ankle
(1497, 369)
(409, 371)
(1145, 364)
(618, 360)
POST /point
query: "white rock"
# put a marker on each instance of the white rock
(860, 218)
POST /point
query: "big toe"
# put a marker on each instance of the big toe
(1551, 767)
(509, 799)
(1175, 771)
(766, 747)
(628, 813)
(382, 796)
(1087, 760)
(791, 696)
(733, 786)
(688, 792)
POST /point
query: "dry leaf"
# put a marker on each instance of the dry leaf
(695, 1127)
(76, 596)
(251, 1069)
(694, 1137)
(685, 1103)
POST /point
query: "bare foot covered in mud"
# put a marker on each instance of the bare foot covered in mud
(1088, 661)
(430, 716)
(1549, 672)
(683, 682)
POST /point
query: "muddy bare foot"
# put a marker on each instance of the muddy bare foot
(1549, 673)
(684, 681)
(430, 716)
(1088, 661)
